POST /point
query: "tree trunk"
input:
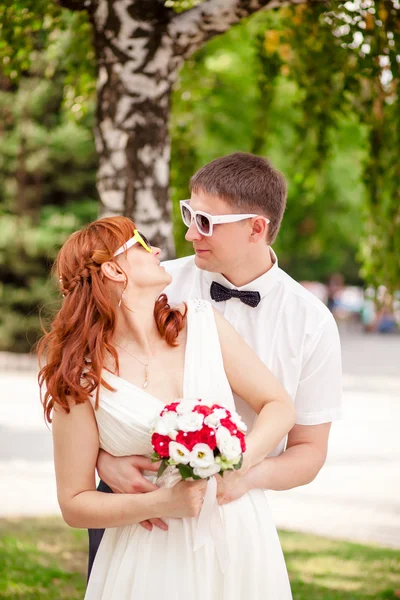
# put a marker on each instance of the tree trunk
(136, 70)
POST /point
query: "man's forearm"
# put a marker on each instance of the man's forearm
(297, 466)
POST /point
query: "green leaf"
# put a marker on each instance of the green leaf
(239, 464)
(155, 457)
(186, 471)
(162, 468)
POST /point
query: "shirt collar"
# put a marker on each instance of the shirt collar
(262, 284)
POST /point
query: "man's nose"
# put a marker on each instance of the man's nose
(155, 250)
(193, 233)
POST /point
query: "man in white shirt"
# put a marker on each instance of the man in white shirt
(233, 217)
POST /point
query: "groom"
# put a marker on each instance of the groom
(233, 217)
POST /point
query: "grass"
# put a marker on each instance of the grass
(43, 559)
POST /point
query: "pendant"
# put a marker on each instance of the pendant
(146, 376)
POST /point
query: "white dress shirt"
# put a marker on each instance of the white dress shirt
(292, 332)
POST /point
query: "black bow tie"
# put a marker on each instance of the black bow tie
(220, 293)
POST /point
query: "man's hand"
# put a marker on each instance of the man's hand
(123, 474)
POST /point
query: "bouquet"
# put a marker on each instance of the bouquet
(198, 438)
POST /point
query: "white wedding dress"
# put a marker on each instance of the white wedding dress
(135, 564)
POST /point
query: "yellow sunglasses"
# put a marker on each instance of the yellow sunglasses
(137, 238)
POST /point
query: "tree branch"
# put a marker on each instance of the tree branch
(191, 29)
(75, 4)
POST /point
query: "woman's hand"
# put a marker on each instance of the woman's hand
(232, 485)
(184, 499)
(123, 474)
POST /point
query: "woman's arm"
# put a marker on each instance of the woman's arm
(250, 379)
(76, 446)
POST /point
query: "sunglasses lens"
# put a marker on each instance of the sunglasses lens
(203, 224)
(144, 238)
(186, 216)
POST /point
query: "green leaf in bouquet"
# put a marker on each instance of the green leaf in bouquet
(239, 464)
(162, 468)
(185, 471)
(155, 457)
(228, 465)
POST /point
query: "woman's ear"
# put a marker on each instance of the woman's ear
(112, 271)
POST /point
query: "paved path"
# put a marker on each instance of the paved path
(356, 496)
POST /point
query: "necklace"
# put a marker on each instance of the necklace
(146, 366)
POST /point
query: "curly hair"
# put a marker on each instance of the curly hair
(80, 336)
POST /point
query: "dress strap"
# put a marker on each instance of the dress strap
(204, 368)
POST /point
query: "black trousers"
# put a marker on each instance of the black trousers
(95, 535)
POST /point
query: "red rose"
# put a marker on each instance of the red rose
(215, 406)
(169, 407)
(229, 425)
(204, 410)
(206, 435)
(187, 438)
(161, 444)
(242, 439)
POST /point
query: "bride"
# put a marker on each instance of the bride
(115, 354)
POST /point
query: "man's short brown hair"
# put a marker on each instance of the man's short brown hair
(248, 183)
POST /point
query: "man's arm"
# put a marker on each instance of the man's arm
(318, 403)
(123, 474)
(301, 462)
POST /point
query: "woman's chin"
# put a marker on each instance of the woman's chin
(165, 277)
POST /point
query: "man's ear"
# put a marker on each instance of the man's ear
(259, 229)
(112, 271)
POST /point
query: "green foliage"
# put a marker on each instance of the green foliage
(27, 250)
(47, 185)
(377, 100)
(248, 90)
(37, 31)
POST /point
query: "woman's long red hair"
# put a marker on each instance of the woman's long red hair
(81, 334)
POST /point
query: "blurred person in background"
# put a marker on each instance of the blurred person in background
(334, 289)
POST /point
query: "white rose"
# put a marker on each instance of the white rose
(202, 456)
(228, 445)
(186, 406)
(205, 472)
(238, 422)
(159, 426)
(214, 419)
(206, 402)
(192, 421)
(179, 453)
(170, 420)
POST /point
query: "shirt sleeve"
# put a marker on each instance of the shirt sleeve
(319, 394)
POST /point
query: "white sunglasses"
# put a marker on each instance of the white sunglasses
(205, 222)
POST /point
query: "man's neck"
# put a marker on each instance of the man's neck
(243, 274)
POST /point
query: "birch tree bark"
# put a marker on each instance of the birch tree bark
(140, 46)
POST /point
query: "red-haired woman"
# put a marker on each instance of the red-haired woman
(115, 354)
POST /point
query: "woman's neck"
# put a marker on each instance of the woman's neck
(136, 329)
